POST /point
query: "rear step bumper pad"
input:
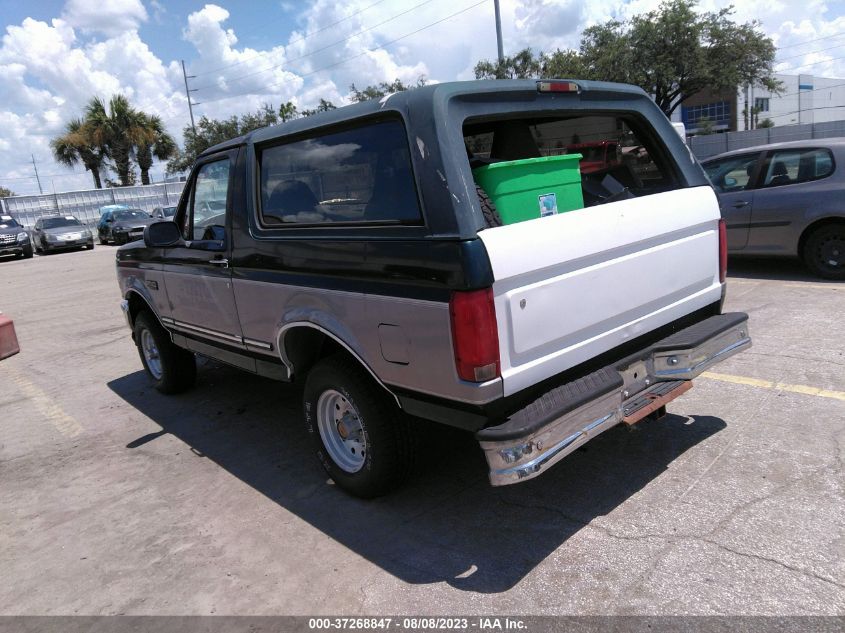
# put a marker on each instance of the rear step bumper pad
(566, 417)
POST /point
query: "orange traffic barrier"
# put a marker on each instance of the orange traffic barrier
(8, 339)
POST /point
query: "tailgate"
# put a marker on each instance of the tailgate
(571, 286)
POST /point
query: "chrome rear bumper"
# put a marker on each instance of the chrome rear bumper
(562, 419)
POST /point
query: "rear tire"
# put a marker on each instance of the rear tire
(824, 252)
(363, 440)
(491, 215)
(172, 369)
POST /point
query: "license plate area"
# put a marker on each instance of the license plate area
(655, 397)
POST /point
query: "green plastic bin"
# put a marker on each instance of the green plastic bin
(533, 187)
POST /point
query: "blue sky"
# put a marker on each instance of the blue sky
(56, 54)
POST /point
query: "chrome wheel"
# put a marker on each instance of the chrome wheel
(151, 353)
(341, 431)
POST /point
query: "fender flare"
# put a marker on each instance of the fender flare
(310, 324)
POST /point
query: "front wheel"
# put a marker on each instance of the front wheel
(172, 368)
(362, 439)
(824, 251)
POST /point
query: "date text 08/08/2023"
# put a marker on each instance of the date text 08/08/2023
(418, 624)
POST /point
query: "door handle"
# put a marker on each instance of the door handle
(219, 262)
(740, 204)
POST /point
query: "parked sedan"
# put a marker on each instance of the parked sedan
(122, 225)
(785, 199)
(61, 233)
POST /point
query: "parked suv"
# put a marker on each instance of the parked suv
(14, 240)
(354, 252)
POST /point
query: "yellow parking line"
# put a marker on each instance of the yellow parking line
(44, 404)
(780, 386)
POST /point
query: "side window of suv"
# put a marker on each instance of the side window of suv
(206, 217)
(356, 175)
(790, 167)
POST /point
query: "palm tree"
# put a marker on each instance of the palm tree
(76, 146)
(162, 147)
(120, 128)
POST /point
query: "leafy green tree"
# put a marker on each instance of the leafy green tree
(76, 146)
(210, 132)
(323, 106)
(263, 117)
(520, 66)
(672, 53)
(705, 126)
(675, 52)
(563, 65)
(6, 193)
(377, 91)
(288, 112)
(162, 146)
(767, 122)
(120, 129)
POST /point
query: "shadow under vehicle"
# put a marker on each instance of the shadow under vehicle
(447, 525)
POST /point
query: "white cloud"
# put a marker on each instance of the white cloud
(110, 17)
(50, 69)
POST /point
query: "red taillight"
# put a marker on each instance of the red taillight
(475, 337)
(723, 250)
(557, 86)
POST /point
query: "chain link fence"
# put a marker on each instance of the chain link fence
(85, 205)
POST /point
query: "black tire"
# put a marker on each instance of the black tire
(91, 246)
(491, 215)
(389, 442)
(824, 251)
(27, 253)
(177, 371)
(100, 239)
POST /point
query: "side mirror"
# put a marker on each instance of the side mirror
(162, 234)
(109, 219)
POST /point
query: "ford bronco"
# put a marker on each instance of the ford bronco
(354, 252)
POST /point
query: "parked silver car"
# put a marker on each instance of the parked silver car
(785, 199)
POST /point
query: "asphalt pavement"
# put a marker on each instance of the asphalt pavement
(115, 499)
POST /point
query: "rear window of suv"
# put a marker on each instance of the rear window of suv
(618, 158)
(357, 175)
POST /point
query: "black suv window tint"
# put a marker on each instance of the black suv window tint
(207, 219)
(733, 173)
(357, 175)
(789, 167)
